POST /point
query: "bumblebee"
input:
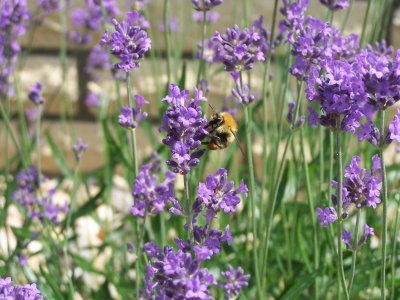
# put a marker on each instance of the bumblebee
(222, 128)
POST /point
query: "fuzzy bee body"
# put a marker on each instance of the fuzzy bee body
(222, 128)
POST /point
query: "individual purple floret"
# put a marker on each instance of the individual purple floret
(39, 206)
(8, 291)
(90, 17)
(129, 42)
(131, 116)
(150, 197)
(367, 231)
(326, 216)
(172, 25)
(211, 16)
(335, 4)
(241, 48)
(346, 236)
(98, 60)
(184, 123)
(79, 148)
(242, 93)
(236, 281)
(264, 42)
(217, 193)
(394, 129)
(212, 52)
(92, 100)
(208, 4)
(176, 275)
(35, 94)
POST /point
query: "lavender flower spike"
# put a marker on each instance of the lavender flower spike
(184, 124)
(129, 42)
(130, 116)
(241, 48)
(236, 281)
(35, 94)
(9, 291)
(79, 148)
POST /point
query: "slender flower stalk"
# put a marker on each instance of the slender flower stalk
(203, 37)
(354, 254)
(393, 258)
(385, 204)
(339, 210)
(133, 131)
(265, 110)
(167, 41)
(188, 205)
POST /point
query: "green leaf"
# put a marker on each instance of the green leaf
(182, 80)
(59, 159)
(22, 233)
(301, 286)
(84, 264)
(49, 281)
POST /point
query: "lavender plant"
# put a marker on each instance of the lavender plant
(147, 215)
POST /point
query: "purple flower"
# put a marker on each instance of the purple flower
(380, 76)
(184, 124)
(9, 291)
(98, 60)
(340, 93)
(23, 260)
(129, 42)
(236, 281)
(79, 148)
(172, 25)
(149, 196)
(129, 117)
(90, 17)
(35, 94)
(361, 187)
(367, 231)
(208, 4)
(326, 216)
(240, 47)
(92, 100)
(217, 193)
(212, 52)
(38, 207)
(211, 16)
(394, 129)
(241, 93)
(346, 236)
(176, 274)
(335, 4)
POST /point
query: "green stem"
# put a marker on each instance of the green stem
(354, 254)
(38, 158)
(346, 18)
(249, 157)
(393, 258)
(385, 204)
(365, 24)
(68, 225)
(203, 37)
(339, 211)
(133, 131)
(312, 210)
(188, 210)
(139, 252)
(167, 41)
(266, 136)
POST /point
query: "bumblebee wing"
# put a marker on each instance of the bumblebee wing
(237, 140)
